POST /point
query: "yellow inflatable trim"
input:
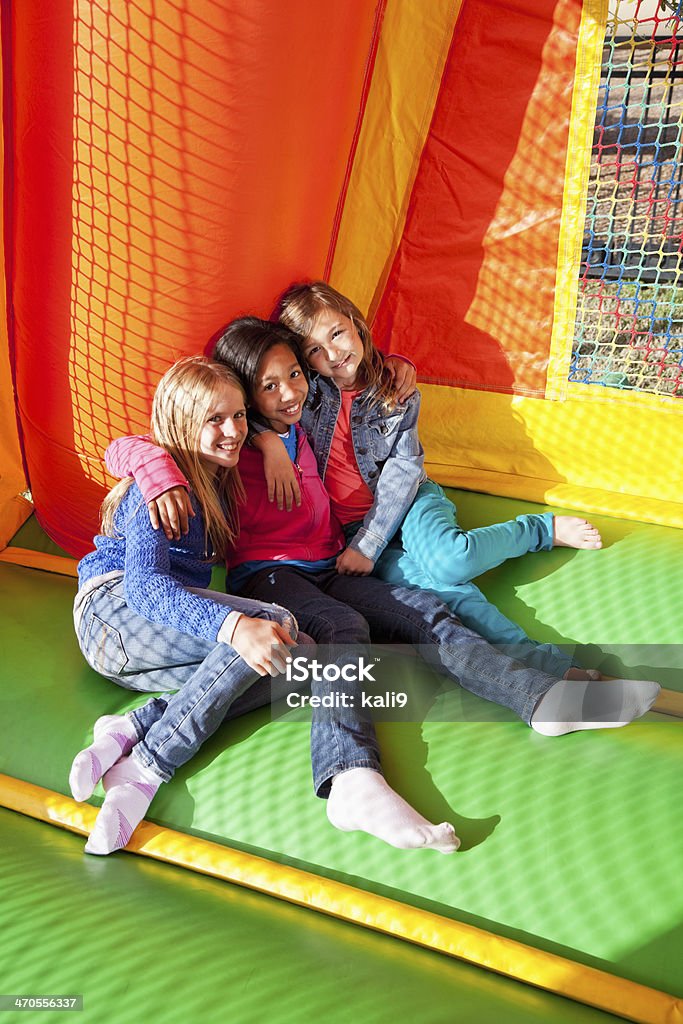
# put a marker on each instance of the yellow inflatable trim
(39, 560)
(595, 454)
(494, 952)
(403, 92)
(577, 173)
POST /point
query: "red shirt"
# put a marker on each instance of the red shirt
(350, 496)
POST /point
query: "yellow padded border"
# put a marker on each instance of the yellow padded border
(577, 173)
(403, 93)
(495, 953)
(615, 458)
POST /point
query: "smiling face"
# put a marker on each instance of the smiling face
(280, 388)
(224, 430)
(334, 348)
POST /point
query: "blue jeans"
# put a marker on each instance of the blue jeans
(212, 680)
(434, 553)
(336, 609)
(340, 738)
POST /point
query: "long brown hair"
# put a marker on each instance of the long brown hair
(182, 401)
(300, 306)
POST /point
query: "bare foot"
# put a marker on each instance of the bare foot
(572, 532)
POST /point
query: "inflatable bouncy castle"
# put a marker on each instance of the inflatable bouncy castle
(171, 166)
(499, 187)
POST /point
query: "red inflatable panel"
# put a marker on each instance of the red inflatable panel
(471, 290)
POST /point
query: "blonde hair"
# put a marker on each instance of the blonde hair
(182, 401)
(300, 306)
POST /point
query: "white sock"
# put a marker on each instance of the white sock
(130, 789)
(572, 705)
(114, 737)
(361, 800)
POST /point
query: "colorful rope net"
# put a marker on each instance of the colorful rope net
(629, 327)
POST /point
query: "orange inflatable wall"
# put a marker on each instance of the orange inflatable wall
(172, 164)
(169, 165)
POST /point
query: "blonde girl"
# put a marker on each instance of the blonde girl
(145, 618)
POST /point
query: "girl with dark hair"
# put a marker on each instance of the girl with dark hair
(398, 524)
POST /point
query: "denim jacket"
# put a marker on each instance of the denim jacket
(388, 452)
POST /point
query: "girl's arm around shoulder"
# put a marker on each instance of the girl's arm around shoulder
(398, 481)
(156, 473)
(402, 373)
(281, 479)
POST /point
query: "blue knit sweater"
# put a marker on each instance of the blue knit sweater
(157, 572)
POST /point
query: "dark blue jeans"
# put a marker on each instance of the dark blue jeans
(341, 610)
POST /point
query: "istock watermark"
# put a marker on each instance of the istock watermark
(401, 683)
(341, 678)
(304, 669)
(379, 682)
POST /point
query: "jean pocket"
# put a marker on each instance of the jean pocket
(103, 647)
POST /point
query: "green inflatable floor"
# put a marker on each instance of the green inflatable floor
(572, 845)
(142, 941)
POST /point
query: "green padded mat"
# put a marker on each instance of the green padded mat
(623, 604)
(573, 845)
(142, 941)
(31, 536)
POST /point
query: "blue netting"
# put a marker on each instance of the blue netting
(629, 326)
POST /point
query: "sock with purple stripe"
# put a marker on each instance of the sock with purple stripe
(114, 737)
(130, 789)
